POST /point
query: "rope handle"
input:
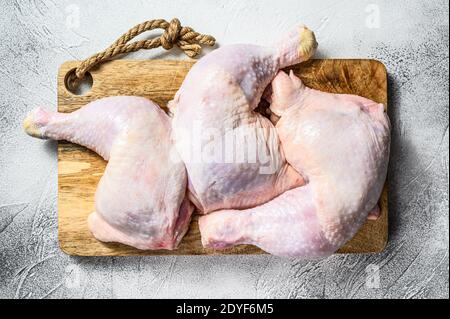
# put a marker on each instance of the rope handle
(188, 40)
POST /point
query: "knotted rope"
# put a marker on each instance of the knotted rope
(185, 38)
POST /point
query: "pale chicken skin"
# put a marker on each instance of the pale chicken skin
(233, 155)
(141, 198)
(340, 144)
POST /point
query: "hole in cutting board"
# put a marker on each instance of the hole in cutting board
(76, 86)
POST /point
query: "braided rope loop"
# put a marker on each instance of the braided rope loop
(188, 40)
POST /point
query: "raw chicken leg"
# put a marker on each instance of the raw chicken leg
(140, 200)
(232, 153)
(340, 143)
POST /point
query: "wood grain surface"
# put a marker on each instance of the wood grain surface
(79, 170)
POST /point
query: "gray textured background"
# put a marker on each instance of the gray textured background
(410, 37)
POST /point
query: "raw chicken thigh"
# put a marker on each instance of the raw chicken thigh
(232, 154)
(340, 144)
(140, 200)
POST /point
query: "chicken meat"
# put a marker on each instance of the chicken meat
(340, 145)
(141, 198)
(232, 153)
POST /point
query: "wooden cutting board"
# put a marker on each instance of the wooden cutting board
(80, 169)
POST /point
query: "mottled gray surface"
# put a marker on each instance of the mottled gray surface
(410, 37)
